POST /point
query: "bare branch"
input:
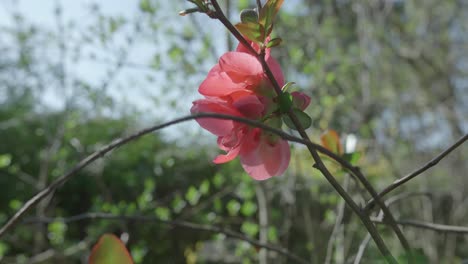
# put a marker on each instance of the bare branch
(417, 172)
(122, 141)
(177, 223)
(427, 225)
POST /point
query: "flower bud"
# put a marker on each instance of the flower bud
(249, 15)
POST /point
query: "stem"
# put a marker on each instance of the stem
(412, 175)
(318, 161)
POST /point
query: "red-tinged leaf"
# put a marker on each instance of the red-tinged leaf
(109, 250)
(268, 14)
(331, 140)
(253, 31)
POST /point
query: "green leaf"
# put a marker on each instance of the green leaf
(57, 232)
(274, 121)
(5, 160)
(268, 13)
(233, 207)
(303, 118)
(192, 195)
(331, 140)
(163, 213)
(146, 6)
(274, 42)
(287, 85)
(249, 228)
(204, 187)
(109, 250)
(253, 31)
(285, 101)
(352, 157)
(248, 208)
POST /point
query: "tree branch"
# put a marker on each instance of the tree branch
(122, 141)
(428, 225)
(318, 161)
(412, 175)
(177, 223)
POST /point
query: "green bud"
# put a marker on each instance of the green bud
(249, 15)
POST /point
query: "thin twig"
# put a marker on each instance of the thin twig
(417, 172)
(178, 223)
(338, 224)
(122, 141)
(318, 161)
(361, 249)
(428, 225)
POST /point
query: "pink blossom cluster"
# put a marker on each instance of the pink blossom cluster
(238, 86)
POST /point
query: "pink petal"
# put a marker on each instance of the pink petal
(232, 154)
(267, 160)
(218, 83)
(300, 100)
(239, 65)
(276, 70)
(250, 106)
(216, 126)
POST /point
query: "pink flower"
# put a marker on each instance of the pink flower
(238, 86)
(262, 155)
(239, 71)
(300, 100)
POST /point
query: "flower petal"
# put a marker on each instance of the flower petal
(250, 106)
(300, 100)
(240, 65)
(232, 154)
(266, 160)
(218, 83)
(216, 126)
(276, 70)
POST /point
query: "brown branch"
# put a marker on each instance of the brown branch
(318, 161)
(177, 223)
(122, 141)
(463, 230)
(417, 172)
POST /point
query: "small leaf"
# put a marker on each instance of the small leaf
(331, 140)
(352, 157)
(109, 250)
(303, 118)
(268, 13)
(192, 195)
(274, 121)
(5, 160)
(146, 6)
(253, 31)
(285, 102)
(274, 42)
(286, 86)
(250, 229)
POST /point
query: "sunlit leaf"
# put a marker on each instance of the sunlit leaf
(109, 250)
(253, 31)
(331, 140)
(5, 160)
(352, 157)
(268, 14)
